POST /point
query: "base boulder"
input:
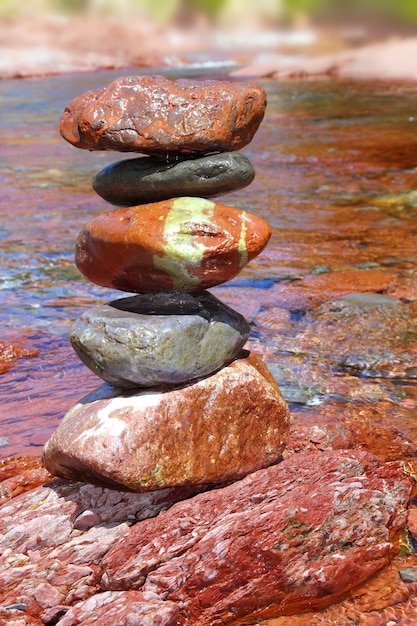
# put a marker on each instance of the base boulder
(215, 430)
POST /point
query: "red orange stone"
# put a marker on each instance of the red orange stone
(154, 115)
(183, 244)
(217, 429)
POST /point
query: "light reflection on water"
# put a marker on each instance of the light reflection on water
(336, 178)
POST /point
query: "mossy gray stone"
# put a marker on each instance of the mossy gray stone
(152, 340)
(151, 179)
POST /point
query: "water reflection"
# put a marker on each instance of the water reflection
(336, 179)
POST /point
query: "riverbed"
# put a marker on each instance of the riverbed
(332, 301)
(336, 179)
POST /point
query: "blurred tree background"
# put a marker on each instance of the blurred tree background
(270, 13)
(396, 11)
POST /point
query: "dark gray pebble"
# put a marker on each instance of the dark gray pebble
(151, 179)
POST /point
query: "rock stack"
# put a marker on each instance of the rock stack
(183, 404)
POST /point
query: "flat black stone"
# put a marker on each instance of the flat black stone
(152, 179)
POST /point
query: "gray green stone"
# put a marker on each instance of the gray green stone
(151, 179)
(408, 575)
(152, 340)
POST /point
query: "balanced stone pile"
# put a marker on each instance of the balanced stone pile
(183, 404)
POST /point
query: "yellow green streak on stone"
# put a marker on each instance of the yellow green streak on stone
(186, 216)
(157, 473)
(241, 246)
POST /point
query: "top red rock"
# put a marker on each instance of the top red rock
(154, 115)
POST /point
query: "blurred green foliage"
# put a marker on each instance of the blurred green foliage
(399, 11)
(8, 8)
(407, 10)
(161, 12)
(212, 7)
(68, 6)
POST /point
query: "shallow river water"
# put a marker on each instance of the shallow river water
(332, 301)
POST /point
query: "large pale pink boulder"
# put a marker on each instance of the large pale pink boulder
(215, 430)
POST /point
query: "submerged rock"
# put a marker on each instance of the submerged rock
(10, 353)
(144, 341)
(367, 333)
(185, 244)
(151, 179)
(215, 430)
(154, 115)
(292, 537)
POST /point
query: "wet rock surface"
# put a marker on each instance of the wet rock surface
(214, 430)
(18, 474)
(146, 341)
(305, 531)
(150, 179)
(154, 115)
(183, 244)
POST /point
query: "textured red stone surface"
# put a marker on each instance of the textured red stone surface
(322, 535)
(412, 521)
(215, 430)
(132, 608)
(18, 475)
(9, 353)
(292, 537)
(154, 115)
(185, 244)
(384, 600)
(53, 537)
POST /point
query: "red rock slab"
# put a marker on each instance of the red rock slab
(333, 284)
(154, 115)
(117, 607)
(183, 244)
(289, 538)
(53, 537)
(294, 537)
(215, 430)
(383, 600)
(20, 474)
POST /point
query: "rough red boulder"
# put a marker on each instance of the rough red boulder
(296, 536)
(154, 115)
(292, 537)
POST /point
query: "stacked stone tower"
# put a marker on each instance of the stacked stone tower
(183, 403)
